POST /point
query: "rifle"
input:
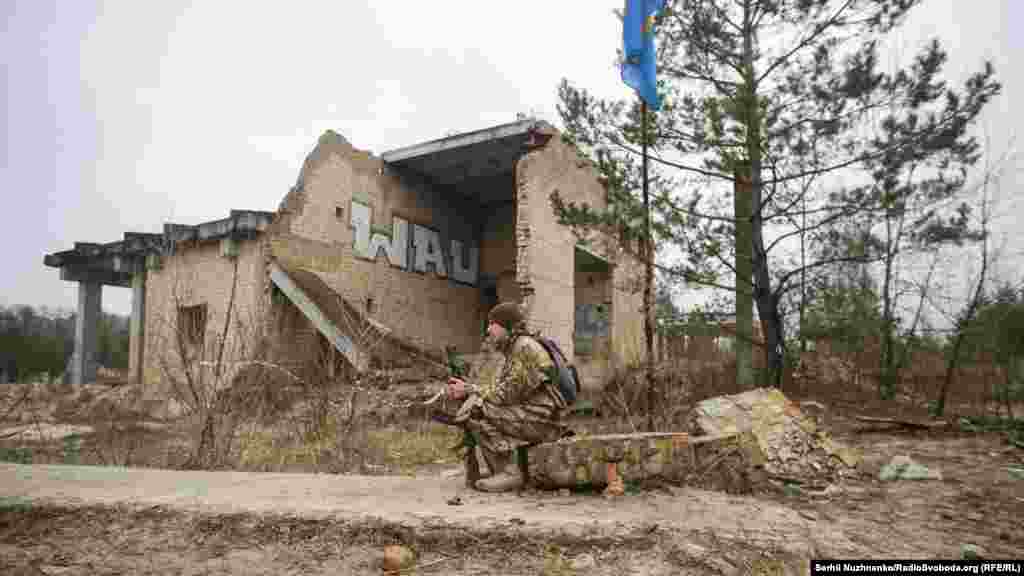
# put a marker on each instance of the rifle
(457, 368)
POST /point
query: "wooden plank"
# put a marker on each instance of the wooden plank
(902, 423)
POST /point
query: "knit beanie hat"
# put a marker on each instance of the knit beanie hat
(507, 314)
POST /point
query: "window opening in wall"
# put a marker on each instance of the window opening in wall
(591, 330)
(192, 323)
(339, 212)
(369, 305)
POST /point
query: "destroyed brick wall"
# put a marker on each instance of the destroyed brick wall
(342, 190)
(199, 274)
(432, 311)
(547, 249)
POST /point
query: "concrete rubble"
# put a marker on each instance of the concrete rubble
(793, 445)
(735, 444)
(904, 468)
(725, 462)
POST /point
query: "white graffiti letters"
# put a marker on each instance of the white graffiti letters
(368, 243)
(460, 264)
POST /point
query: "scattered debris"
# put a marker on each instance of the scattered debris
(971, 552)
(583, 562)
(456, 501)
(874, 423)
(44, 431)
(397, 558)
(615, 485)
(793, 445)
(813, 404)
(813, 517)
(903, 468)
(1016, 472)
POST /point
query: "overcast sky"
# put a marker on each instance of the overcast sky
(120, 116)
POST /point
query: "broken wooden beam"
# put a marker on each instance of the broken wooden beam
(900, 423)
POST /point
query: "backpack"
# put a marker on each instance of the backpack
(568, 377)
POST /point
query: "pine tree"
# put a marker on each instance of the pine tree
(789, 98)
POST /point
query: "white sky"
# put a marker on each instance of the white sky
(121, 115)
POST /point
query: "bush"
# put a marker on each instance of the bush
(17, 455)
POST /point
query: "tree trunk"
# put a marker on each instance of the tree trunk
(803, 273)
(963, 325)
(886, 380)
(940, 406)
(744, 296)
(648, 281)
(767, 302)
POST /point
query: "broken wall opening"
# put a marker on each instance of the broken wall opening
(497, 226)
(592, 282)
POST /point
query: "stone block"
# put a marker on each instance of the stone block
(794, 446)
(728, 462)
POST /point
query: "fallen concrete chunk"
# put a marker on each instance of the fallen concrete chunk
(727, 462)
(45, 431)
(791, 442)
(397, 558)
(903, 468)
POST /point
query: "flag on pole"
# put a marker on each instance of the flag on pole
(638, 64)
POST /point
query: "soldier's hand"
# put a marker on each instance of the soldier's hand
(457, 389)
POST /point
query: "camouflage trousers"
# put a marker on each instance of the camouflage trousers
(502, 429)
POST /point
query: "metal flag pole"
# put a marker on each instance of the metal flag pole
(648, 273)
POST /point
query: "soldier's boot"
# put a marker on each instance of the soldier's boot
(507, 476)
(486, 464)
(477, 465)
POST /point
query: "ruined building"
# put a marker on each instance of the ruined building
(408, 249)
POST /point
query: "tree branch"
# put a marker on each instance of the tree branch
(803, 43)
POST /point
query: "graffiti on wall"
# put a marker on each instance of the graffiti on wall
(591, 320)
(419, 251)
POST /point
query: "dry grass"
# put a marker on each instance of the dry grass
(325, 430)
(405, 450)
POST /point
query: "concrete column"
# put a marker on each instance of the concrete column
(137, 326)
(83, 362)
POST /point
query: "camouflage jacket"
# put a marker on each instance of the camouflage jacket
(528, 376)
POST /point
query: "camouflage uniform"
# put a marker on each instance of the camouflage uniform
(521, 405)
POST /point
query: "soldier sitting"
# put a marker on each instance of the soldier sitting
(520, 407)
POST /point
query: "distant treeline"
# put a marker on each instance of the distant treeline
(39, 341)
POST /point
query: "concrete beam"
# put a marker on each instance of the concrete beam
(240, 222)
(340, 341)
(459, 141)
(83, 360)
(136, 329)
(133, 248)
(109, 277)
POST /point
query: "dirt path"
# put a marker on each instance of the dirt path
(421, 504)
(415, 502)
(59, 519)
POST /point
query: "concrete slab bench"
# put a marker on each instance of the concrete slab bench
(727, 462)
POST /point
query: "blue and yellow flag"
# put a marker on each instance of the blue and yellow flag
(639, 67)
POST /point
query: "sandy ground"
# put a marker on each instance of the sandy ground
(64, 519)
(673, 530)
